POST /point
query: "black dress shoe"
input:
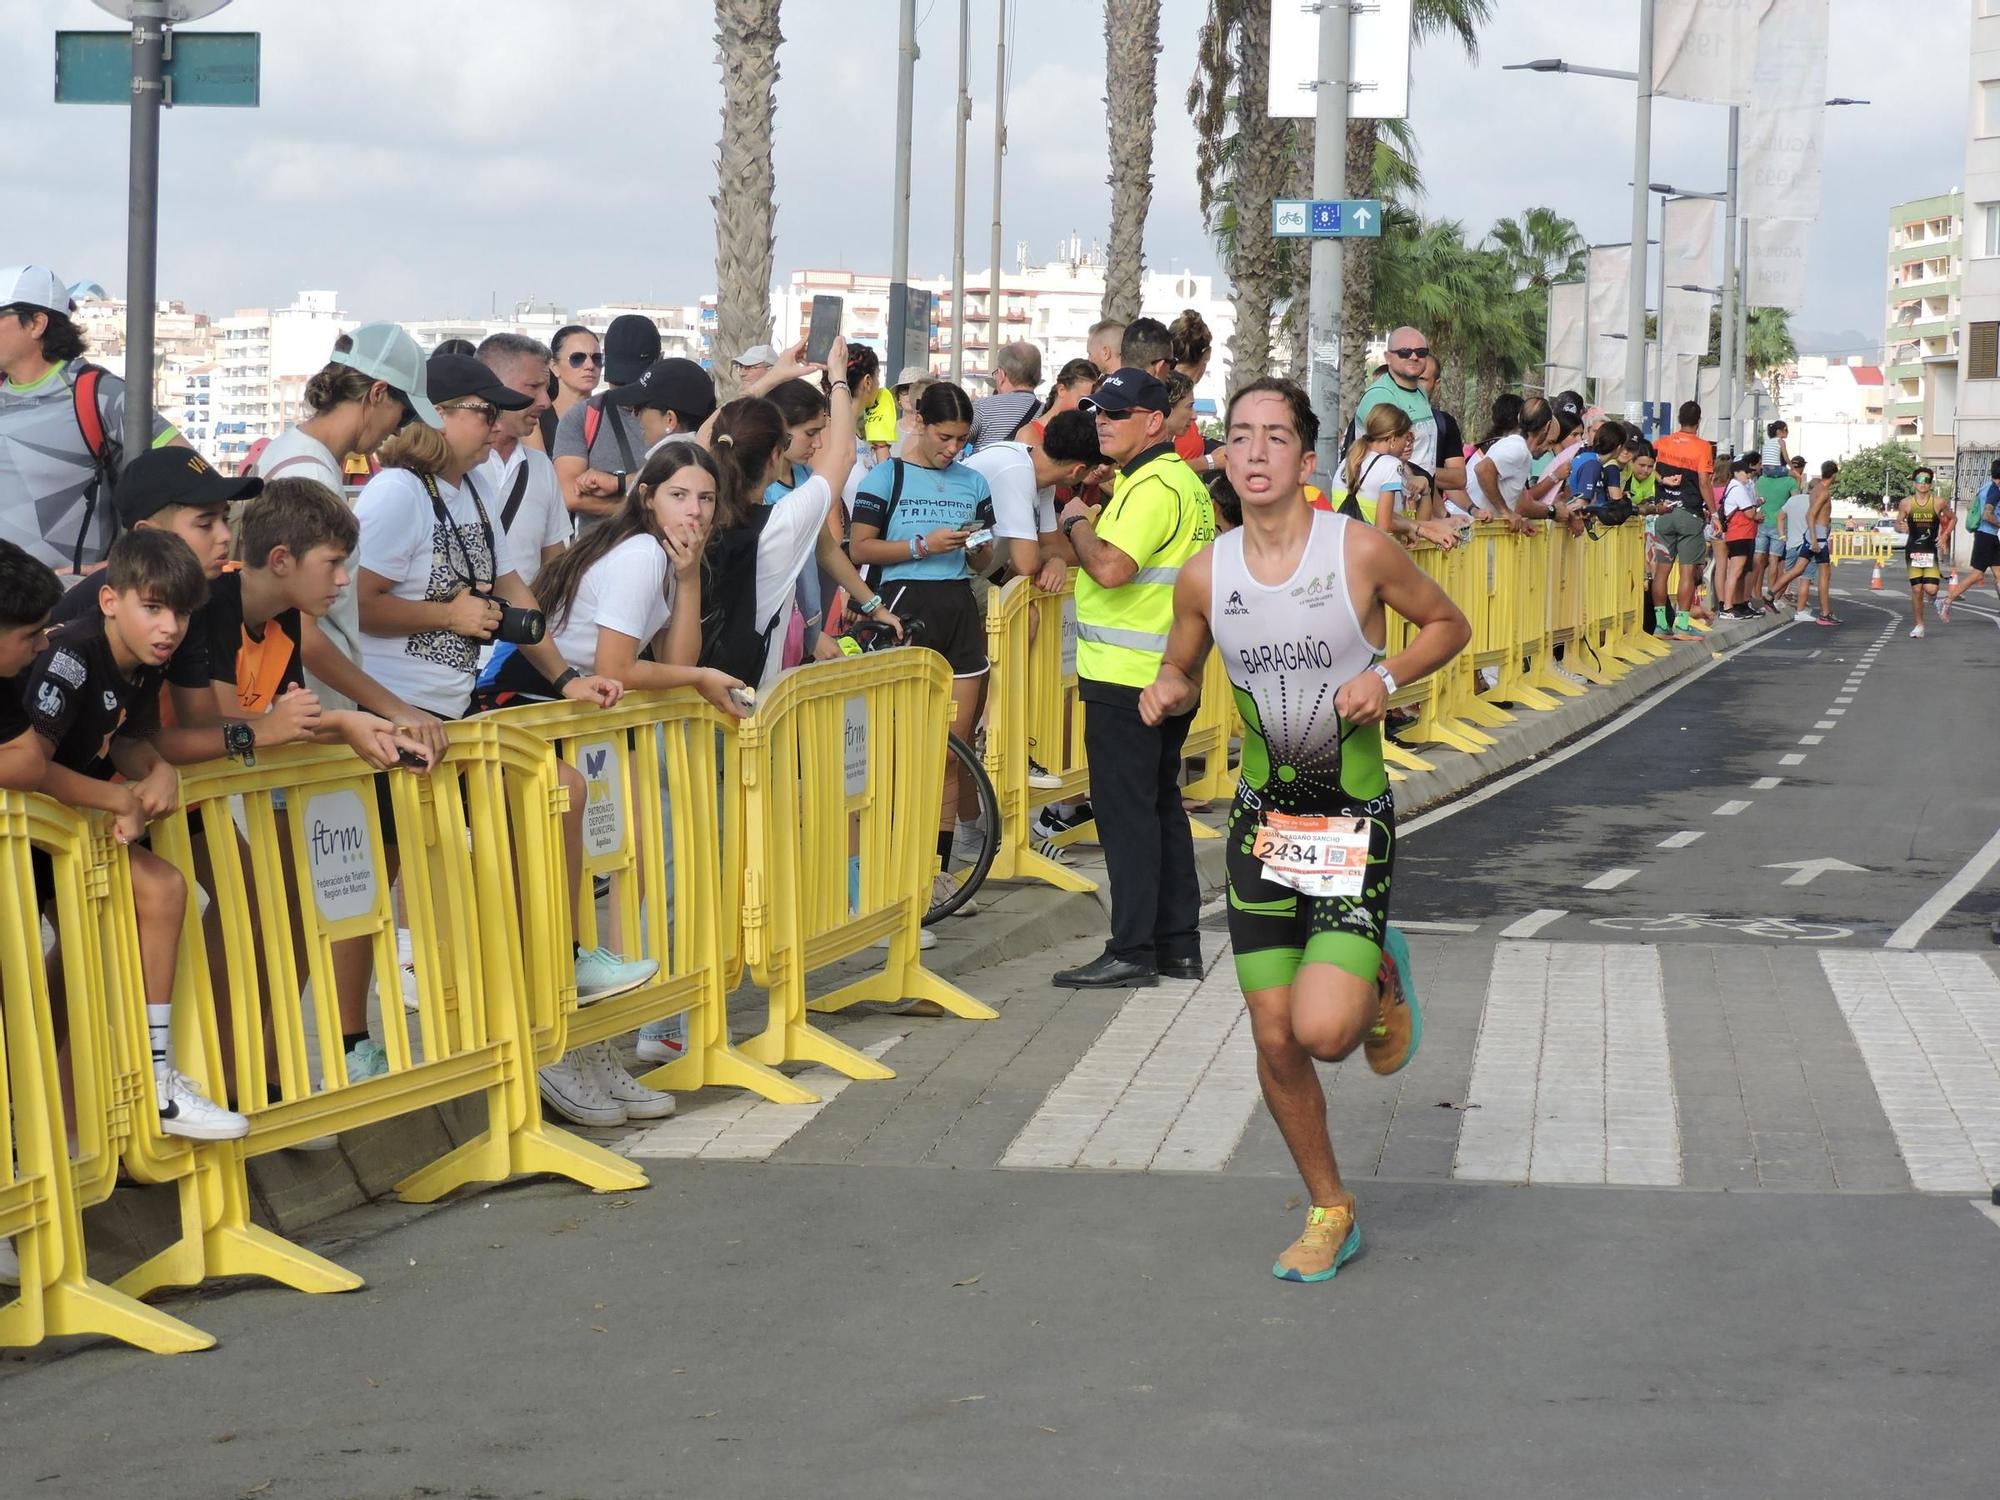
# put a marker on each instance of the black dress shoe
(1181, 968)
(1108, 972)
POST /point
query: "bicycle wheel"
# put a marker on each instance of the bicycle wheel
(973, 844)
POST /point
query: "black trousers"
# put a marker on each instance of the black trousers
(1136, 796)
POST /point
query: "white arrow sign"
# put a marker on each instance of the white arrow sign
(1361, 218)
(1808, 870)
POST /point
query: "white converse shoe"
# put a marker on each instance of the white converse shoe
(186, 1112)
(570, 1088)
(638, 1101)
(663, 1041)
(10, 1264)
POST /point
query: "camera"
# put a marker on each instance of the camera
(518, 626)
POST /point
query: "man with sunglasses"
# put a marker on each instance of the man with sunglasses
(1131, 553)
(1926, 520)
(1402, 384)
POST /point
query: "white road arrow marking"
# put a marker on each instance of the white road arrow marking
(1808, 870)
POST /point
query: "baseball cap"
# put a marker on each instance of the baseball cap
(160, 477)
(452, 377)
(677, 385)
(33, 286)
(910, 376)
(386, 352)
(1568, 402)
(1745, 463)
(756, 354)
(631, 342)
(1127, 390)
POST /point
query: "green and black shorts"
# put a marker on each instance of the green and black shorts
(1274, 930)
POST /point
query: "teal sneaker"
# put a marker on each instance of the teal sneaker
(366, 1060)
(1329, 1242)
(600, 974)
(1392, 1041)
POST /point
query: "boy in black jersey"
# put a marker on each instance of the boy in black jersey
(92, 699)
(28, 591)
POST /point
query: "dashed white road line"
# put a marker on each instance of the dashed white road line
(1679, 840)
(1441, 927)
(1836, 712)
(1794, 759)
(1812, 739)
(1766, 783)
(1731, 809)
(1824, 724)
(1610, 880)
(1532, 923)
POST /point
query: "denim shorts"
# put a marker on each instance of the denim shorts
(1768, 541)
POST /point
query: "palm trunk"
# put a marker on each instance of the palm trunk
(1261, 167)
(747, 38)
(1357, 294)
(1131, 47)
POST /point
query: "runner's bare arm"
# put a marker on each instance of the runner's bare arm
(1442, 631)
(1177, 688)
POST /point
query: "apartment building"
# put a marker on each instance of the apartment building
(262, 360)
(1975, 394)
(1926, 260)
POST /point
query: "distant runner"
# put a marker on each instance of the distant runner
(1295, 600)
(1985, 524)
(1926, 520)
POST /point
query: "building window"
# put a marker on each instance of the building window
(1989, 107)
(1982, 351)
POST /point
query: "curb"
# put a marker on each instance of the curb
(293, 1191)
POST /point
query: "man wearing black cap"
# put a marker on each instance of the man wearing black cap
(176, 490)
(1158, 517)
(670, 399)
(597, 447)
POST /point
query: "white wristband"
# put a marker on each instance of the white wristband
(1388, 678)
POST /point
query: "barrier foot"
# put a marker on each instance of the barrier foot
(1550, 683)
(728, 1068)
(1522, 696)
(238, 1250)
(1201, 830)
(534, 1150)
(92, 1309)
(1479, 711)
(1395, 755)
(1027, 864)
(918, 983)
(800, 1041)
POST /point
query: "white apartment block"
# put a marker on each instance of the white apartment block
(1972, 411)
(263, 359)
(1920, 330)
(1833, 407)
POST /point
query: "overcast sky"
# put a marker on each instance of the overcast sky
(424, 157)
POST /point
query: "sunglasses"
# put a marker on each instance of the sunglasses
(1118, 416)
(578, 360)
(1421, 351)
(484, 410)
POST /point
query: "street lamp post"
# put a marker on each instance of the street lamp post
(1642, 167)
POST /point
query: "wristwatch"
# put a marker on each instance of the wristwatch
(870, 606)
(565, 677)
(1071, 524)
(239, 741)
(1388, 678)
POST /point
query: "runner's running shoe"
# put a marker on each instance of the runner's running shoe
(1329, 1242)
(1399, 1025)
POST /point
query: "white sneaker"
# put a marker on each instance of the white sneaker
(10, 1264)
(925, 939)
(1567, 675)
(663, 1041)
(942, 887)
(570, 1088)
(1489, 679)
(1046, 780)
(600, 974)
(967, 843)
(186, 1112)
(1916, 632)
(638, 1101)
(406, 956)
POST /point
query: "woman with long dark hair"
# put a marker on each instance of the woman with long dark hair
(576, 360)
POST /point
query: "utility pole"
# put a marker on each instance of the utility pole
(1329, 181)
(1642, 153)
(958, 195)
(1660, 343)
(1743, 327)
(149, 51)
(899, 249)
(1725, 423)
(999, 151)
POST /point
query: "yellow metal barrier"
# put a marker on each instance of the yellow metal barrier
(663, 823)
(1862, 546)
(848, 750)
(42, 1192)
(1215, 724)
(318, 872)
(1033, 712)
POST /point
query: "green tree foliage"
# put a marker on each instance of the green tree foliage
(1875, 473)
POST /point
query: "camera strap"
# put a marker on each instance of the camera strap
(454, 543)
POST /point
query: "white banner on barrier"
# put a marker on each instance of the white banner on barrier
(1566, 347)
(1706, 49)
(1684, 321)
(1785, 127)
(1610, 285)
(1688, 229)
(1777, 271)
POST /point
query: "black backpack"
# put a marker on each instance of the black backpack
(733, 640)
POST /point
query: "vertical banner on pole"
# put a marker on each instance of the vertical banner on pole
(1687, 239)
(1708, 390)
(1778, 263)
(1378, 62)
(1607, 366)
(1686, 387)
(1610, 266)
(1787, 117)
(1566, 345)
(1684, 321)
(1706, 50)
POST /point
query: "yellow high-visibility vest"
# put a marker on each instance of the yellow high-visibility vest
(1160, 517)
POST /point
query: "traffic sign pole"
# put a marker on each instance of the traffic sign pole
(1329, 182)
(149, 41)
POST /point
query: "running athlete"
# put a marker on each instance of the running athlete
(1296, 600)
(1985, 525)
(1925, 519)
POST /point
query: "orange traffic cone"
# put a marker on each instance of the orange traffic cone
(1876, 581)
(1952, 582)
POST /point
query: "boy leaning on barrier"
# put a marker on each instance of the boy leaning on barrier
(92, 699)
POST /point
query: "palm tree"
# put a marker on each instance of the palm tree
(1768, 345)
(1428, 18)
(1241, 171)
(1131, 50)
(747, 38)
(1541, 247)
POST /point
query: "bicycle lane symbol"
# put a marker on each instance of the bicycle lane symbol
(1783, 928)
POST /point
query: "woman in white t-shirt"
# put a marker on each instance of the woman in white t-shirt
(1501, 483)
(1371, 482)
(430, 592)
(625, 602)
